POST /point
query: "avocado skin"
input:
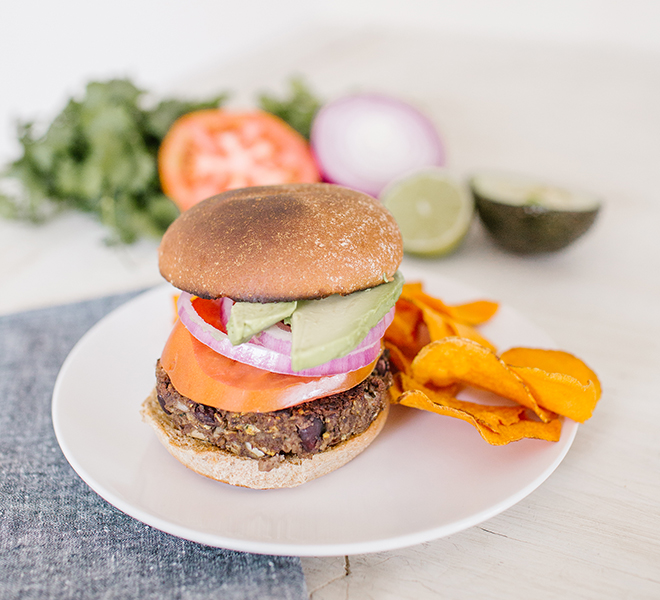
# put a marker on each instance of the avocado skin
(532, 229)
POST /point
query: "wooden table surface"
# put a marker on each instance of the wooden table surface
(583, 116)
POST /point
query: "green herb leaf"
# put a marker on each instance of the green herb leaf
(298, 110)
(99, 155)
(159, 120)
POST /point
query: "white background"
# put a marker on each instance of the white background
(48, 50)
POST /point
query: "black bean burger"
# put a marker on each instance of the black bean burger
(274, 372)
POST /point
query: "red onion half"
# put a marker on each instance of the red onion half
(367, 140)
(263, 357)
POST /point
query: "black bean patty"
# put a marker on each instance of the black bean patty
(270, 437)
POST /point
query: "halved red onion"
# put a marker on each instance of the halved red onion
(367, 140)
(266, 358)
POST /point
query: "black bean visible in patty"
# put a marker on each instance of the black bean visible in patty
(270, 437)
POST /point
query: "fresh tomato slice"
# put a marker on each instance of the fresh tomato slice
(207, 377)
(210, 311)
(210, 151)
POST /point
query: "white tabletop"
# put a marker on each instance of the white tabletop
(583, 115)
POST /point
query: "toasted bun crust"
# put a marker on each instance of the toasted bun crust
(212, 462)
(284, 242)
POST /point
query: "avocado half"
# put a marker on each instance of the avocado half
(526, 216)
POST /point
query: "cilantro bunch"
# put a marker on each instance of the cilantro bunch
(298, 110)
(100, 153)
(99, 156)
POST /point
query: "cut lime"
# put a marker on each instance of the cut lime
(432, 209)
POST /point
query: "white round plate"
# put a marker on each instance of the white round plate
(426, 476)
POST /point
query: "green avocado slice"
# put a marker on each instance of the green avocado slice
(249, 318)
(331, 327)
(526, 216)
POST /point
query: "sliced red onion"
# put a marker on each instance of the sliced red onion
(276, 338)
(266, 358)
(367, 140)
(225, 309)
(280, 339)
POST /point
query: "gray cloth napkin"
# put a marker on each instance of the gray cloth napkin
(58, 539)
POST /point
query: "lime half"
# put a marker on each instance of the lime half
(433, 211)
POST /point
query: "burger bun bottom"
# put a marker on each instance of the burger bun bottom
(215, 463)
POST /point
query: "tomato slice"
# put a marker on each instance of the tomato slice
(210, 151)
(210, 311)
(207, 377)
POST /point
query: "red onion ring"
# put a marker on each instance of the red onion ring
(278, 339)
(367, 140)
(265, 358)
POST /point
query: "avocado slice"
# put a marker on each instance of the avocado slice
(526, 216)
(249, 318)
(331, 327)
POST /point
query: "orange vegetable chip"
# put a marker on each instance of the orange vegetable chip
(406, 330)
(425, 319)
(559, 392)
(395, 389)
(175, 306)
(558, 380)
(492, 416)
(459, 360)
(412, 288)
(437, 350)
(498, 425)
(472, 313)
(437, 324)
(441, 395)
(466, 331)
(441, 326)
(398, 358)
(552, 361)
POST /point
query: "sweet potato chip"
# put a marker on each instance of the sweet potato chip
(398, 358)
(559, 392)
(474, 313)
(395, 389)
(441, 320)
(459, 360)
(441, 395)
(436, 350)
(175, 306)
(552, 361)
(471, 313)
(469, 332)
(441, 326)
(498, 425)
(491, 416)
(438, 325)
(405, 331)
(412, 289)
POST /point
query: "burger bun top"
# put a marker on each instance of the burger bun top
(281, 243)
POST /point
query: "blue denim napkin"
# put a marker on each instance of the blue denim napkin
(58, 539)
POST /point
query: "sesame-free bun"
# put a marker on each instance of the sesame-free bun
(209, 460)
(284, 242)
